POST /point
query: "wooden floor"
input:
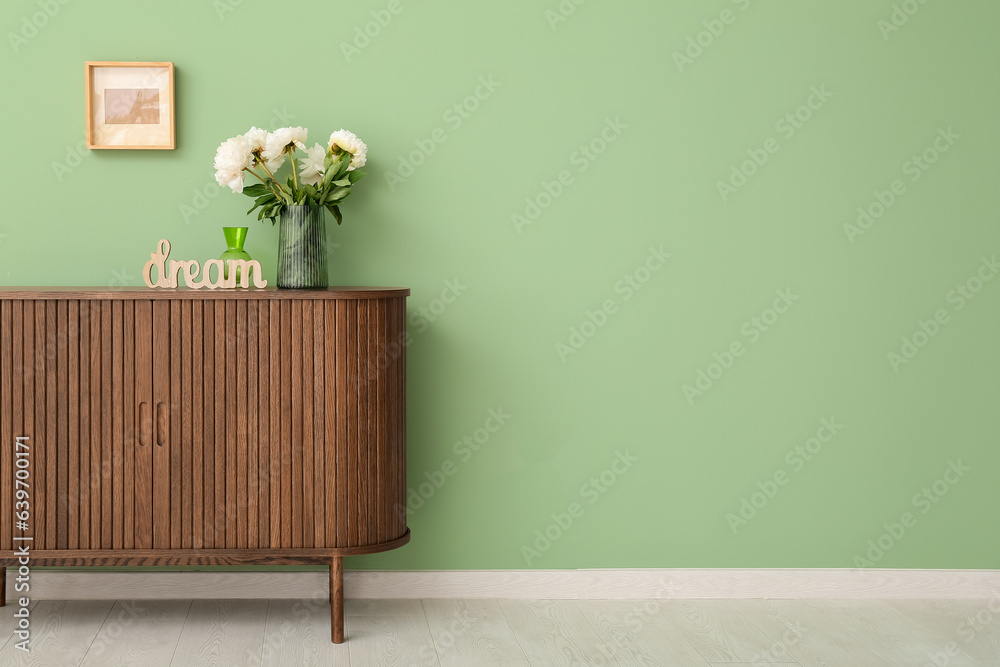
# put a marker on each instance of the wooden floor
(543, 633)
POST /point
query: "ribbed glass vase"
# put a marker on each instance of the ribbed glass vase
(302, 248)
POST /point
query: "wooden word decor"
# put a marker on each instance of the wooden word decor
(225, 276)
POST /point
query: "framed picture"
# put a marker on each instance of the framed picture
(130, 105)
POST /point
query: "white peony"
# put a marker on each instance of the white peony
(256, 139)
(232, 157)
(342, 140)
(281, 141)
(311, 168)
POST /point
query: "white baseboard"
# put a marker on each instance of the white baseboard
(539, 584)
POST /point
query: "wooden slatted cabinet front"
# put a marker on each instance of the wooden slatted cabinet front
(182, 427)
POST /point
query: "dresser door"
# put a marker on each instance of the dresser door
(218, 369)
(209, 370)
(67, 383)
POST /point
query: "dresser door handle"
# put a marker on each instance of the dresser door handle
(161, 424)
(145, 424)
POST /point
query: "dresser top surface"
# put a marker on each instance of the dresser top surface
(267, 293)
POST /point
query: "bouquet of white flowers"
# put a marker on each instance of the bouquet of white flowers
(323, 177)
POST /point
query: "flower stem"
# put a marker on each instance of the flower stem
(274, 180)
(268, 185)
(269, 173)
(295, 179)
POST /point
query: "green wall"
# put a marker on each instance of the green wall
(629, 137)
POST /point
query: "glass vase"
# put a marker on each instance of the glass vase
(235, 238)
(302, 248)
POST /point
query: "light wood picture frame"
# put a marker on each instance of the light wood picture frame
(130, 105)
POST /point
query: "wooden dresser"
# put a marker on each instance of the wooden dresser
(204, 427)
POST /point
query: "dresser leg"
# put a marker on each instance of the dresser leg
(337, 599)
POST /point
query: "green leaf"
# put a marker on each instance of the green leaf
(262, 201)
(328, 176)
(355, 176)
(275, 212)
(337, 194)
(336, 212)
(255, 190)
(312, 195)
(271, 211)
(344, 182)
(342, 164)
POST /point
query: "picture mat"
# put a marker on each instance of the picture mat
(132, 134)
